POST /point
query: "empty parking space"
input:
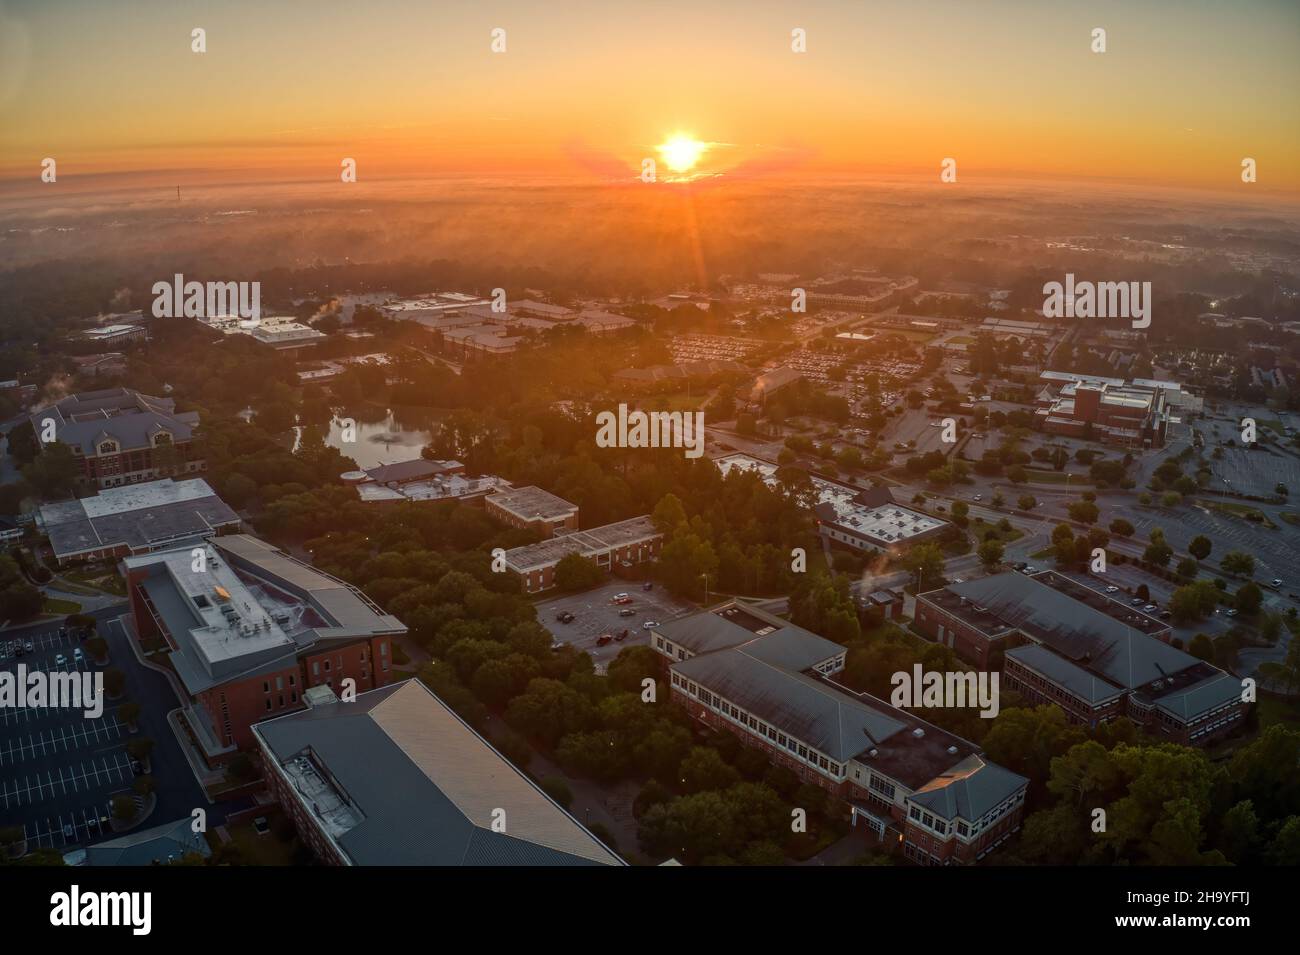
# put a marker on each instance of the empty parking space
(26, 746)
(78, 824)
(82, 775)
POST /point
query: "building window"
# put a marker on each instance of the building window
(279, 684)
(266, 686)
(268, 704)
(327, 666)
(315, 668)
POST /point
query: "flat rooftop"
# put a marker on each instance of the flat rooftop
(587, 543)
(533, 504)
(442, 488)
(250, 608)
(136, 516)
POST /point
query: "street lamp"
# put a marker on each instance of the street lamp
(706, 589)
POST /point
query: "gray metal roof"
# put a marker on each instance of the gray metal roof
(172, 840)
(1211, 692)
(969, 790)
(423, 786)
(1088, 637)
(801, 706)
(1088, 687)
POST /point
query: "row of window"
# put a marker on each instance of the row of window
(814, 758)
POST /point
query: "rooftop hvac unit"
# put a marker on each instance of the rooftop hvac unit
(952, 750)
(918, 732)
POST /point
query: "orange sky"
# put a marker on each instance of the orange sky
(1183, 93)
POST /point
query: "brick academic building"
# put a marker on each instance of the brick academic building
(770, 683)
(250, 629)
(1057, 641)
(119, 436)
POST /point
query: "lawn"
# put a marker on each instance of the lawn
(1037, 476)
(98, 578)
(1243, 511)
(57, 606)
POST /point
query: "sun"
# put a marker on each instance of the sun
(681, 152)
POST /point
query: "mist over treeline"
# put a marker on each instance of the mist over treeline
(102, 252)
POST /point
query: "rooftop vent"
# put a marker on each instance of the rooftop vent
(952, 750)
(918, 732)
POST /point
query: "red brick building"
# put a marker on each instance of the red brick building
(120, 436)
(1059, 642)
(532, 508)
(250, 629)
(772, 685)
(617, 548)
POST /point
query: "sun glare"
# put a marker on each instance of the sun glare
(681, 152)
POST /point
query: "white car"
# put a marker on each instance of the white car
(1112, 589)
(60, 660)
(978, 497)
(1149, 608)
(77, 655)
(619, 596)
(649, 624)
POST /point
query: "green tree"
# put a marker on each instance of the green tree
(990, 554)
(1237, 563)
(1200, 547)
(575, 572)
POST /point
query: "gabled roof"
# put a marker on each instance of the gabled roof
(969, 790)
(1091, 639)
(809, 710)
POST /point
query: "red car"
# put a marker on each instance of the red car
(603, 639)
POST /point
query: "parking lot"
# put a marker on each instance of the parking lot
(59, 769)
(595, 613)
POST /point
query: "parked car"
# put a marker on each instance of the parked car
(1276, 583)
(648, 585)
(136, 767)
(60, 660)
(604, 639)
(1149, 608)
(623, 596)
(68, 831)
(627, 612)
(557, 646)
(1166, 614)
(29, 647)
(622, 636)
(1135, 602)
(978, 497)
(1232, 612)
(649, 624)
(77, 655)
(19, 649)
(564, 616)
